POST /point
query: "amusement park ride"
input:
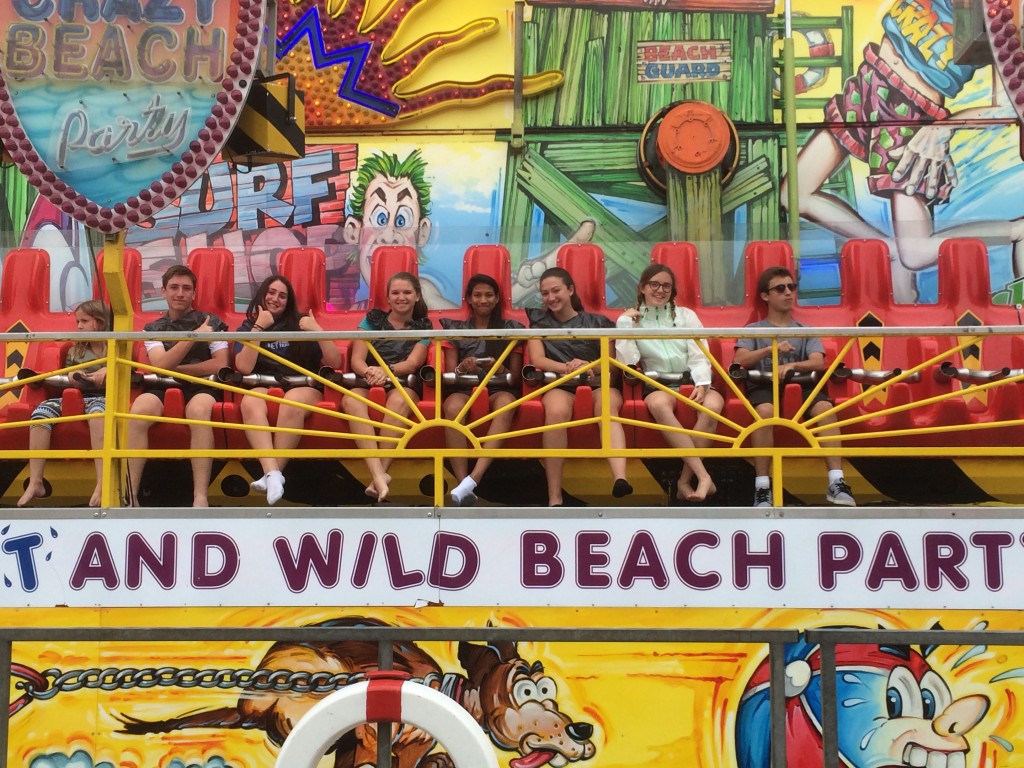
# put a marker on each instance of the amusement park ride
(126, 122)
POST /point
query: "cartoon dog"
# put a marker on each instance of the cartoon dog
(513, 701)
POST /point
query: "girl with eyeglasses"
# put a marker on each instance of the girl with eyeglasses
(656, 308)
(564, 309)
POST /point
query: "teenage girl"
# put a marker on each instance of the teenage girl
(484, 299)
(273, 308)
(407, 311)
(564, 309)
(92, 317)
(656, 308)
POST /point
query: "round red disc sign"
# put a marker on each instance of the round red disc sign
(113, 108)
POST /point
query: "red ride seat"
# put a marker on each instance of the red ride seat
(387, 260)
(585, 262)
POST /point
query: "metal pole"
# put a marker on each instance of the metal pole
(777, 702)
(118, 389)
(517, 79)
(829, 729)
(385, 660)
(789, 118)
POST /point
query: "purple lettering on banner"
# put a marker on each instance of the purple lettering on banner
(95, 563)
(838, 552)
(308, 558)
(400, 578)
(588, 560)
(744, 560)
(991, 543)
(21, 547)
(444, 543)
(364, 559)
(944, 553)
(138, 553)
(541, 568)
(684, 560)
(643, 561)
(891, 562)
(203, 543)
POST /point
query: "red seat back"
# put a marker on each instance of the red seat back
(306, 270)
(681, 258)
(215, 281)
(585, 262)
(387, 260)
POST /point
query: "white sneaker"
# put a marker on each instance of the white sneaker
(762, 497)
(840, 493)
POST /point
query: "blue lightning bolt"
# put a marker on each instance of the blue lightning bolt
(354, 56)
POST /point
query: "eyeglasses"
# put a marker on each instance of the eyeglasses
(654, 285)
(782, 288)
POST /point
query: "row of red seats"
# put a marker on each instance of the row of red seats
(866, 302)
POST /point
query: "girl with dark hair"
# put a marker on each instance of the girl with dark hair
(656, 308)
(90, 316)
(273, 308)
(564, 309)
(469, 356)
(403, 357)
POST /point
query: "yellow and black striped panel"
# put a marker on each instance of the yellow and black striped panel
(272, 126)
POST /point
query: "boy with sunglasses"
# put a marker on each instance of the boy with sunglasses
(777, 289)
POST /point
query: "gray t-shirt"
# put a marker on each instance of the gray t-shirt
(803, 347)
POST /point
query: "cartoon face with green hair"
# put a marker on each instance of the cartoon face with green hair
(389, 201)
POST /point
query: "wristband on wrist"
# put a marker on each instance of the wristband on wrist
(258, 327)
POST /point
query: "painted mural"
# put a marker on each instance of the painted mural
(543, 703)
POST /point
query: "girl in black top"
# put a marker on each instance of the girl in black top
(461, 356)
(407, 311)
(273, 308)
(563, 356)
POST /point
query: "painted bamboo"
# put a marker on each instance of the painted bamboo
(572, 94)
(695, 214)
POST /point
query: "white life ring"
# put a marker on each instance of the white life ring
(819, 43)
(389, 697)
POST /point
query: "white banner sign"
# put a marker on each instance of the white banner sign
(655, 561)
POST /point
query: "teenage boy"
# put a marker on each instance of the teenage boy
(195, 358)
(777, 290)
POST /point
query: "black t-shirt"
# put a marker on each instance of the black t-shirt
(564, 350)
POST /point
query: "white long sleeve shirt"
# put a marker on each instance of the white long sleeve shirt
(664, 355)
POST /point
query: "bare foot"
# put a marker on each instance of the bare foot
(705, 487)
(200, 502)
(32, 491)
(97, 496)
(379, 488)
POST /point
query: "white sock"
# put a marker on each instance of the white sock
(275, 487)
(762, 481)
(464, 490)
(260, 486)
(835, 475)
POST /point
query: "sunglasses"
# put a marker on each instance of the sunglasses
(783, 288)
(654, 285)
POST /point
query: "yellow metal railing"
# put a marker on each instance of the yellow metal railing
(932, 437)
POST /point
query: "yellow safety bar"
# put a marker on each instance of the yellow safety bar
(733, 428)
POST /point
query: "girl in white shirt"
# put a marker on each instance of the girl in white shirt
(656, 308)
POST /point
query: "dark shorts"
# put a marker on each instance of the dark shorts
(761, 395)
(882, 110)
(188, 391)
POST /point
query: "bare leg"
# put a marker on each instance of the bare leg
(763, 438)
(200, 408)
(453, 439)
(618, 441)
(254, 414)
(96, 442)
(396, 404)
(38, 440)
(378, 487)
(831, 462)
(708, 425)
(500, 423)
(662, 407)
(146, 404)
(557, 410)
(294, 418)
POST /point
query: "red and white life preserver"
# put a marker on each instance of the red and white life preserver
(391, 697)
(819, 43)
